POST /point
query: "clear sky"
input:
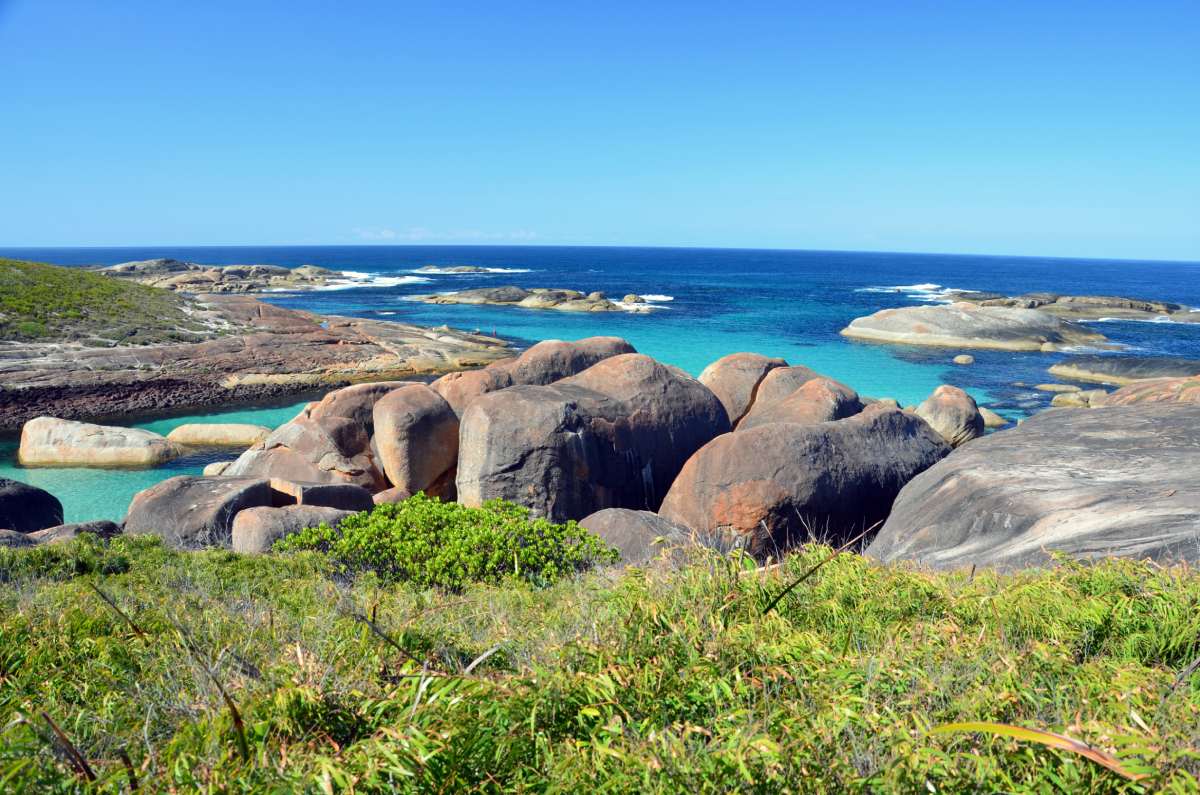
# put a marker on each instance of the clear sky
(1056, 128)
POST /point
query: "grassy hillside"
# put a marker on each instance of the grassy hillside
(49, 303)
(652, 680)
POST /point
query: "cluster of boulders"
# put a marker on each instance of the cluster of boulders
(51, 441)
(191, 277)
(559, 299)
(30, 516)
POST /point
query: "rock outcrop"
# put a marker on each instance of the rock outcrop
(967, 325)
(1109, 482)
(1083, 399)
(953, 414)
(101, 528)
(255, 530)
(26, 509)
(1159, 390)
(263, 352)
(536, 298)
(49, 441)
(734, 379)
(416, 436)
(218, 434)
(190, 277)
(639, 536)
(195, 512)
(1123, 370)
(613, 436)
(779, 483)
(1086, 307)
(544, 363)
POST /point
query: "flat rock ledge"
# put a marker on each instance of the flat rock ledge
(1087, 307)
(967, 325)
(192, 277)
(537, 298)
(1123, 370)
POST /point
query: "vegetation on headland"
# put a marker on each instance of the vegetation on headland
(48, 303)
(216, 671)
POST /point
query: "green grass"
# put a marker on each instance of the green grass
(48, 303)
(655, 679)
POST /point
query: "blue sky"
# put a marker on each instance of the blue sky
(1060, 128)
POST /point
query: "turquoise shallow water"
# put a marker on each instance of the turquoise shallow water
(711, 302)
(104, 493)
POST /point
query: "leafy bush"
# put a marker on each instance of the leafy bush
(446, 545)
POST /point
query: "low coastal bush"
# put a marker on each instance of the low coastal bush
(220, 672)
(430, 543)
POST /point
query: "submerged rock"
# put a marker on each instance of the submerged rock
(966, 325)
(1109, 482)
(48, 441)
(26, 509)
(780, 483)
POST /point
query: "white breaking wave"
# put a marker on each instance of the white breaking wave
(1155, 319)
(927, 292)
(449, 271)
(353, 279)
(655, 298)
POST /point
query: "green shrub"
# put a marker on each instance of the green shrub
(446, 545)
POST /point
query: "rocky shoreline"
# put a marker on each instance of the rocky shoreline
(539, 298)
(192, 277)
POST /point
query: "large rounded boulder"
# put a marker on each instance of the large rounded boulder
(816, 400)
(780, 483)
(194, 512)
(952, 413)
(49, 441)
(328, 449)
(26, 509)
(416, 437)
(255, 530)
(614, 436)
(355, 402)
(1106, 482)
(638, 535)
(734, 379)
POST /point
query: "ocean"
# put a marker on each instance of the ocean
(707, 303)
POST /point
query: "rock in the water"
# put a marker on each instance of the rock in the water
(613, 436)
(1061, 388)
(536, 298)
(817, 400)
(101, 528)
(1159, 390)
(25, 508)
(639, 535)
(216, 468)
(255, 530)
(416, 434)
(966, 325)
(326, 450)
(544, 363)
(781, 483)
(964, 358)
(344, 496)
(194, 512)
(355, 402)
(1084, 398)
(1123, 370)
(991, 419)
(47, 441)
(734, 379)
(1114, 481)
(219, 434)
(953, 414)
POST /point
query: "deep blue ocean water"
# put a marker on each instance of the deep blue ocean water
(780, 303)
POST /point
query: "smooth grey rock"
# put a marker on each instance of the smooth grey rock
(952, 413)
(49, 441)
(25, 508)
(966, 325)
(1107, 482)
(328, 449)
(639, 535)
(101, 528)
(1123, 370)
(194, 512)
(344, 496)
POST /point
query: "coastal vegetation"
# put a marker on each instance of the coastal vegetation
(48, 303)
(130, 665)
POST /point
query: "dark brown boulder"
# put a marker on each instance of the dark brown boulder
(255, 530)
(952, 413)
(613, 436)
(1103, 482)
(194, 512)
(416, 436)
(734, 379)
(25, 508)
(816, 400)
(783, 482)
(640, 536)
